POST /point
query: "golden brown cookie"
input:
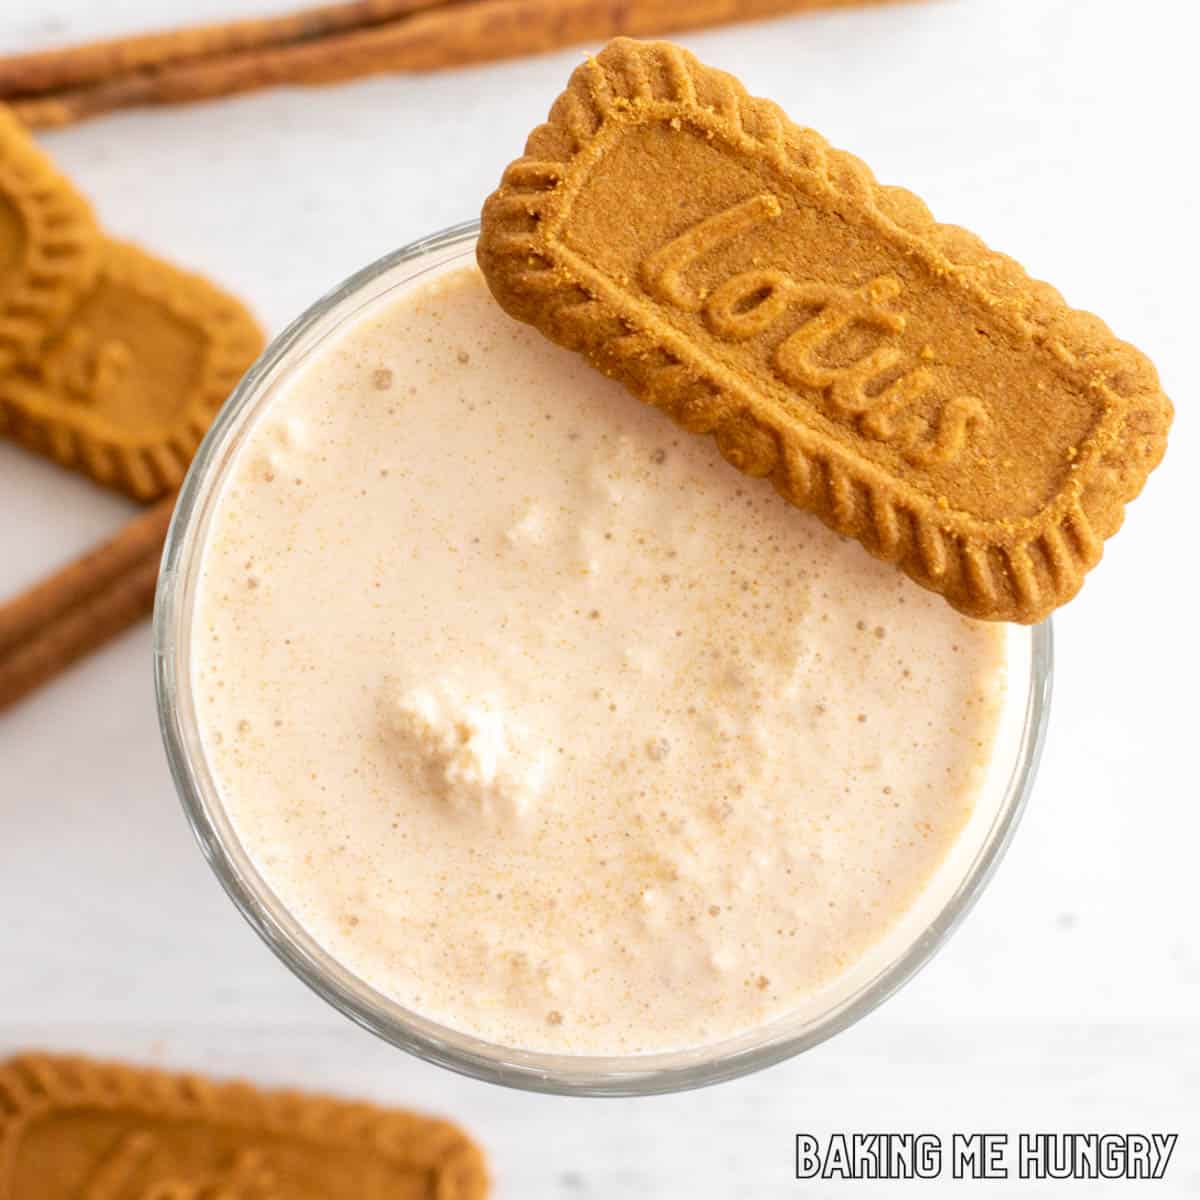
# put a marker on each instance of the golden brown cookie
(129, 383)
(49, 244)
(71, 1129)
(914, 389)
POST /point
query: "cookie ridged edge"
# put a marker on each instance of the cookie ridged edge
(37, 1083)
(63, 253)
(1018, 570)
(151, 465)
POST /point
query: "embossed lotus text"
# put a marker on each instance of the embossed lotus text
(136, 1170)
(87, 369)
(877, 392)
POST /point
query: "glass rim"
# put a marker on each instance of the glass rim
(537, 1071)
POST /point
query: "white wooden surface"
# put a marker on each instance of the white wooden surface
(1063, 131)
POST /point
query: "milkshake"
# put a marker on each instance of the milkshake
(548, 724)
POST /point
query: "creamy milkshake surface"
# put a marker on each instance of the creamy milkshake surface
(545, 721)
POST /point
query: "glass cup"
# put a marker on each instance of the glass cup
(893, 961)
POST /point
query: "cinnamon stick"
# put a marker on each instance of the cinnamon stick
(80, 607)
(93, 62)
(473, 31)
